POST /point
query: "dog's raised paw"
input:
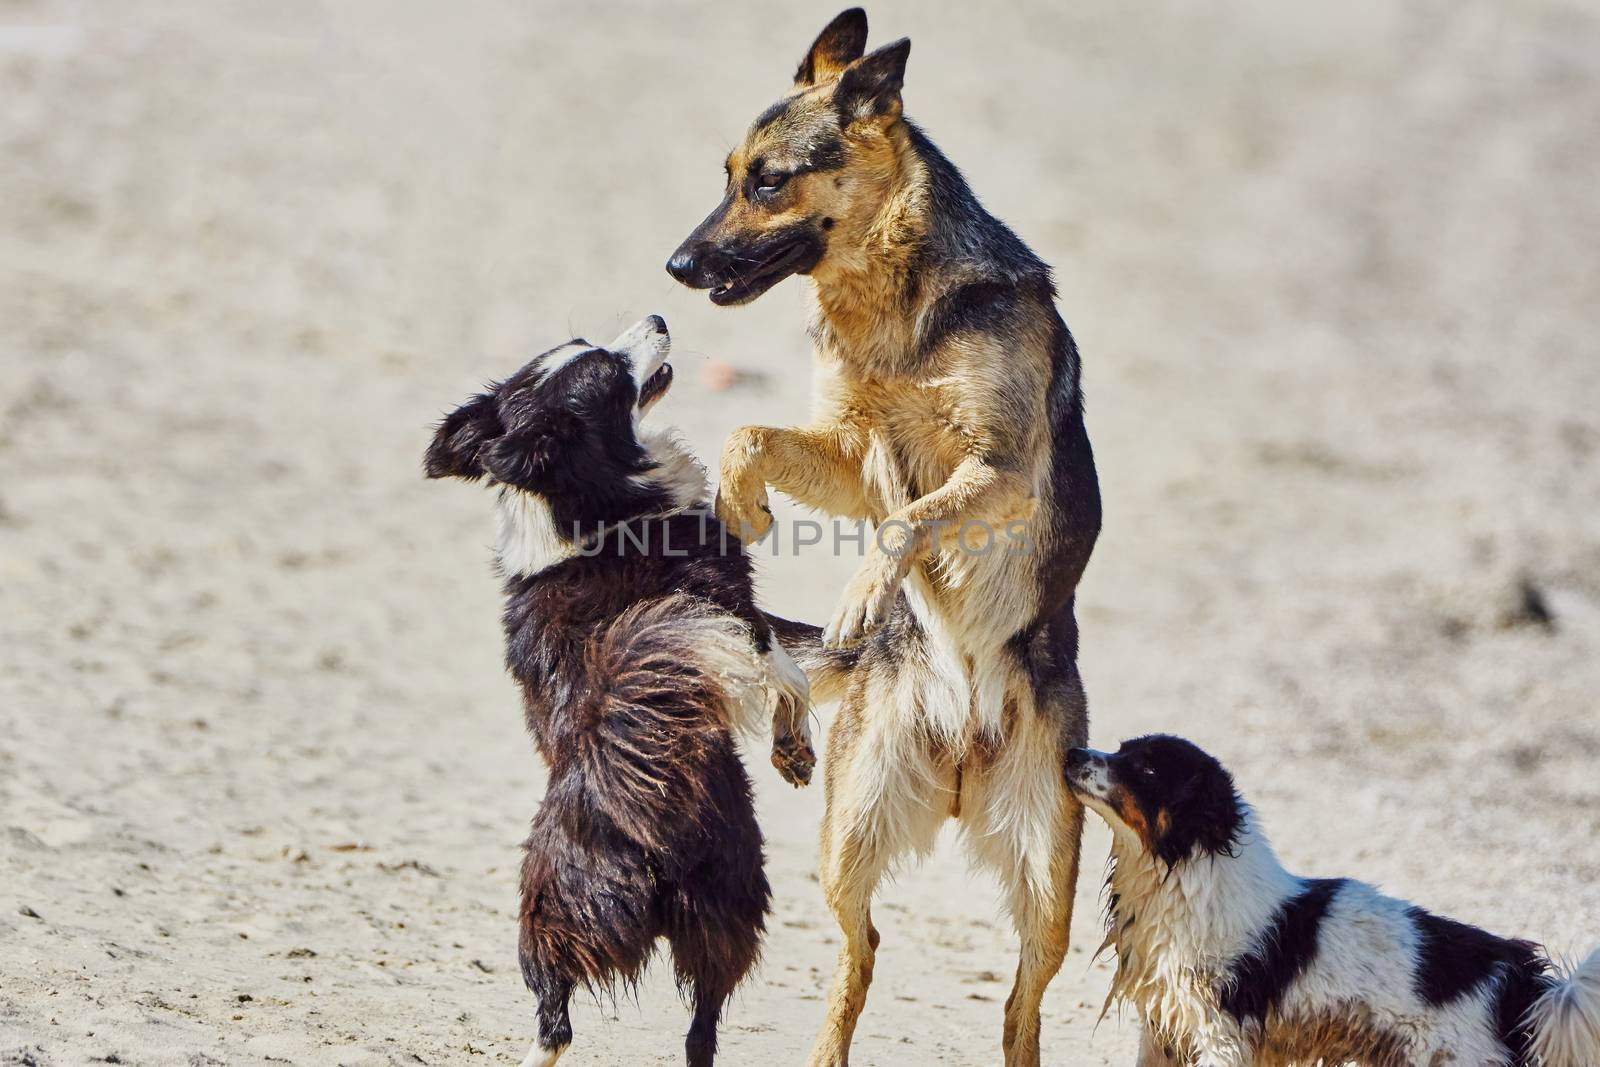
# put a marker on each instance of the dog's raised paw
(794, 758)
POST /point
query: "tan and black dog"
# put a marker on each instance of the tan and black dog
(949, 413)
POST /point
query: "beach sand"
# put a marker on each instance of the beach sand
(263, 779)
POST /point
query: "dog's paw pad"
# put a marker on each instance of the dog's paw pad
(794, 760)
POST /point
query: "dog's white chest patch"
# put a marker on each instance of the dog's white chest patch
(527, 540)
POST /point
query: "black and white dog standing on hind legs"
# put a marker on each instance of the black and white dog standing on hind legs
(631, 625)
(1231, 961)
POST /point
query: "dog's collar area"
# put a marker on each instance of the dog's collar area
(527, 541)
(530, 544)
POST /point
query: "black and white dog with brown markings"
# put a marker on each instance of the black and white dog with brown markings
(1230, 960)
(632, 627)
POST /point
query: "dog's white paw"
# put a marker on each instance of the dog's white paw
(539, 1056)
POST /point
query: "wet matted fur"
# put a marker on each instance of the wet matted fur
(631, 625)
(949, 396)
(1231, 961)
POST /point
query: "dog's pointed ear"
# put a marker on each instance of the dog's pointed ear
(457, 447)
(840, 44)
(869, 88)
(526, 457)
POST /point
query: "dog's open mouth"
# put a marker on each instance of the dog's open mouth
(749, 282)
(655, 387)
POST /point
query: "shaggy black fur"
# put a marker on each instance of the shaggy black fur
(647, 829)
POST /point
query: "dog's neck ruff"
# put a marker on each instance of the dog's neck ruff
(865, 310)
(1177, 930)
(529, 540)
(676, 470)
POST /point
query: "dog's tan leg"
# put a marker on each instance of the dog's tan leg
(848, 885)
(885, 798)
(820, 467)
(1044, 924)
(1021, 821)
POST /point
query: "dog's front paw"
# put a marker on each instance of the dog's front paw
(745, 511)
(793, 755)
(742, 502)
(866, 601)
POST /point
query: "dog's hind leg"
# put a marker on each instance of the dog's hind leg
(848, 887)
(886, 796)
(587, 918)
(710, 964)
(700, 1048)
(551, 981)
(555, 1027)
(709, 968)
(1021, 821)
(714, 920)
(1043, 918)
(549, 978)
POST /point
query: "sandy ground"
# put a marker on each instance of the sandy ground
(262, 780)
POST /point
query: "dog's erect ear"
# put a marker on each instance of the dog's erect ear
(525, 457)
(840, 44)
(870, 87)
(456, 451)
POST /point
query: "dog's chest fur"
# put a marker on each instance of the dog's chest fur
(918, 429)
(916, 437)
(1177, 934)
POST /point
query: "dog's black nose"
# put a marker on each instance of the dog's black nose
(1076, 758)
(657, 323)
(684, 264)
(699, 264)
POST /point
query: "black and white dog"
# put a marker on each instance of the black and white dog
(632, 627)
(1230, 960)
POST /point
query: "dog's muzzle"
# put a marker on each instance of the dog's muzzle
(646, 345)
(1088, 773)
(737, 275)
(688, 264)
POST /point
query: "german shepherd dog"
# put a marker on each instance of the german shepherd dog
(632, 628)
(948, 408)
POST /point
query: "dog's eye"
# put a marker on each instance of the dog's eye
(1148, 771)
(771, 182)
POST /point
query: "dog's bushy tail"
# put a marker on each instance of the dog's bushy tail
(670, 678)
(827, 669)
(1565, 1020)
